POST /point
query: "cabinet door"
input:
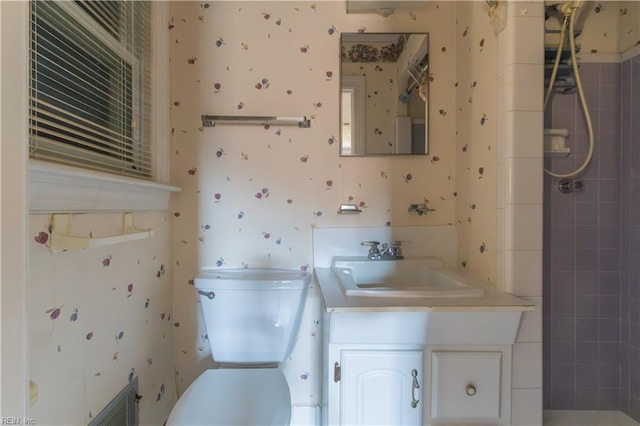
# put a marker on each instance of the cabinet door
(381, 387)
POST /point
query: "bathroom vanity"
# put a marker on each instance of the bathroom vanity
(428, 357)
(417, 361)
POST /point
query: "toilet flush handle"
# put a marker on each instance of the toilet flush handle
(208, 294)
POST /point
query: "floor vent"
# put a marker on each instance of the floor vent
(123, 410)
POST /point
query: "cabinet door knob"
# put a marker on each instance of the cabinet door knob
(471, 390)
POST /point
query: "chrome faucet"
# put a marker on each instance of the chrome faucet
(393, 251)
(374, 252)
(389, 251)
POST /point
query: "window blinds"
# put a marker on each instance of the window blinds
(90, 85)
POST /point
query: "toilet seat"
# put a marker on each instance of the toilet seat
(235, 397)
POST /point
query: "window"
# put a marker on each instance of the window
(90, 85)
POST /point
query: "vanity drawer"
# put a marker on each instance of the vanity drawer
(465, 385)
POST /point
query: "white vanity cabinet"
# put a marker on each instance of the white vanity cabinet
(388, 346)
(416, 385)
(415, 368)
(380, 387)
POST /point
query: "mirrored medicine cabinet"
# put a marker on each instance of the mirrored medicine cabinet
(384, 87)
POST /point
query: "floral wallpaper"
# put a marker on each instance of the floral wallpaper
(476, 126)
(603, 26)
(98, 318)
(251, 195)
(373, 52)
(628, 25)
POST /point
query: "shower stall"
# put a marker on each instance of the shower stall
(591, 257)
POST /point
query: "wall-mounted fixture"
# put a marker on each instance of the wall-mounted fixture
(382, 8)
(567, 186)
(348, 209)
(555, 141)
(212, 120)
(62, 239)
(421, 209)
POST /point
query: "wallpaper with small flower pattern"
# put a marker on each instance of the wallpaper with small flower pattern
(476, 127)
(252, 194)
(98, 318)
(372, 52)
(603, 27)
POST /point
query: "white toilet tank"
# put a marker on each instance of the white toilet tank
(252, 315)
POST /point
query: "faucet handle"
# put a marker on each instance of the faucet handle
(374, 252)
(372, 244)
(396, 250)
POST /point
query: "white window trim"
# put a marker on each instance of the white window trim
(59, 188)
(56, 187)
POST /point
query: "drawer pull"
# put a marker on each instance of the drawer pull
(471, 390)
(416, 385)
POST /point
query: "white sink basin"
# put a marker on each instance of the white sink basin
(409, 277)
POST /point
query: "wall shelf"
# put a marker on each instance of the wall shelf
(62, 239)
(558, 153)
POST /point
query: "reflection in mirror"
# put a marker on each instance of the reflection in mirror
(384, 93)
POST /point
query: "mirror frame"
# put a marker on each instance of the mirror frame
(361, 98)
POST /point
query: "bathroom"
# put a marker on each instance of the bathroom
(239, 206)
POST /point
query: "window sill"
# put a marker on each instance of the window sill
(59, 188)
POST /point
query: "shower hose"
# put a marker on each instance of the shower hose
(570, 18)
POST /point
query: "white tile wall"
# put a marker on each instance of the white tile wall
(523, 87)
(531, 323)
(526, 407)
(500, 230)
(524, 47)
(521, 232)
(519, 206)
(526, 8)
(502, 133)
(527, 363)
(520, 187)
(523, 278)
(523, 127)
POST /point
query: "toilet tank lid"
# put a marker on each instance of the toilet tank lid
(252, 279)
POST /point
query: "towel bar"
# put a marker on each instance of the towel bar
(62, 239)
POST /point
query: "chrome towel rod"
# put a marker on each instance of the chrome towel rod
(212, 120)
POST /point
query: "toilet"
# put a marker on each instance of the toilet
(252, 318)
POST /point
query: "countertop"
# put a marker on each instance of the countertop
(335, 301)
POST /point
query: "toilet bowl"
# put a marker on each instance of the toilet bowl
(252, 318)
(235, 397)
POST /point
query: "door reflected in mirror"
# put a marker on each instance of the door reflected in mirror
(384, 93)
